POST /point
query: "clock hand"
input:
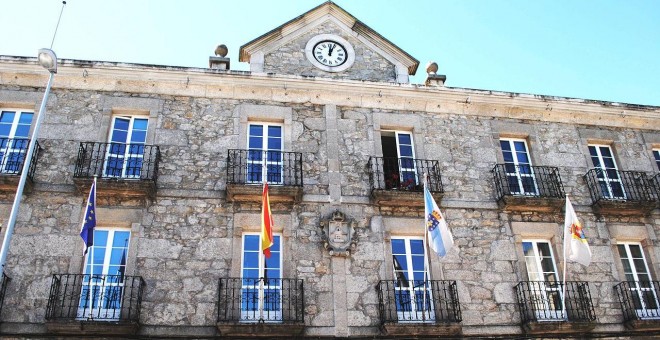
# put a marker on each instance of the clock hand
(330, 48)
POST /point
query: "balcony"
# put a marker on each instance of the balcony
(541, 310)
(245, 169)
(640, 304)
(655, 180)
(419, 308)
(86, 304)
(261, 307)
(124, 171)
(4, 281)
(528, 188)
(624, 193)
(399, 181)
(12, 158)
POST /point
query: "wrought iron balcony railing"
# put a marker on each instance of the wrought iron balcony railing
(656, 184)
(249, 167)
(628, 186)
(95, 298)
(386, 173)
(526, 180)
(431, 301)
(261, 300)
(3, 289)
(118, 161)
(640, 300)
(12, 156)
(542, 301)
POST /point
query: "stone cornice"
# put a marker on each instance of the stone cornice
(199, 82)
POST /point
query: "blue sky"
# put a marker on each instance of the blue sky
(604, 50)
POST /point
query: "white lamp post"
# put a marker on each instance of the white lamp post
(48, 60)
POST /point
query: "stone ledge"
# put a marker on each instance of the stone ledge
(530, 203)
(558, 327)
(252, 193)
(623, 208)
(399, 198)
(253, 330)
(75, 327)
(643, 325)
(9, 184)
(119, 190)
(422, 329)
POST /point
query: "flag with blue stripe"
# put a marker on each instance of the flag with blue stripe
(89, 221)
(439, 236)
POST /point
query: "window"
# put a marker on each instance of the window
(636, 270)
(261, 290)
(412, 291)
(545, 286)
(656, 154)
(518, 165)
(399, 165)
(265, 146)
(607, 173)
(103, 282)
(14, 131)
(125, 150)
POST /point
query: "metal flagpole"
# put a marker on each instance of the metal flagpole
(563, 286)
(260, 294)
(424, 236)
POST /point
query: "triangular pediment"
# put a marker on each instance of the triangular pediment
(294, 39)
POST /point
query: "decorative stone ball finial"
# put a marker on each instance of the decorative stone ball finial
(431, 67)
(221, 50)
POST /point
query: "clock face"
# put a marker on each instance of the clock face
(330, 53)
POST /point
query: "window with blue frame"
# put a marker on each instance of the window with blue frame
(125, 151)
(103, 279)
(265, 146)
(14, 133)
(412, 290)
(261, 293)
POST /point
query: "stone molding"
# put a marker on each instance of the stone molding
(205, 83)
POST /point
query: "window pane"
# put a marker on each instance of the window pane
(121, 124)
(636, 251)
(119, 136)
(22, 131)
(255, 142)
(256, 130)
(504, 144)
(404, 138)
(398, 246)
(417, 246)
(25, 118)
(405, 151)
(274, 131)
(7, 117)
(251, 242)
(139, 137)
(140, 124)
(520, 147)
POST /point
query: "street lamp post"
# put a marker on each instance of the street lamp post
(48, 60)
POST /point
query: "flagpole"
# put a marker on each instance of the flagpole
(424, 236)
(563, 286)
(260, 295)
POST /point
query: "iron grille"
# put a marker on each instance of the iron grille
(261, 300)
(639, 299)
(656, 185)
(118, 161)
(527, 180)
(431, 301)
(628, 186)
(12, 156)
(95, 297)
(3, 289)
(388, 173)
(248, 167)
(542, 301)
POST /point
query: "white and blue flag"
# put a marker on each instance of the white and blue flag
(439, 236)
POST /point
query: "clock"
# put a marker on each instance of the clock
(330, 52)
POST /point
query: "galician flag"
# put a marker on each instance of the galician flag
(266, 223)
(576, 247)
(89, 221)
(439, 236)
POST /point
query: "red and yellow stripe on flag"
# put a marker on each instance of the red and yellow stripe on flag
(266, 223)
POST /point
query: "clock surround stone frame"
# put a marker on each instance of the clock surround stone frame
(350, 52)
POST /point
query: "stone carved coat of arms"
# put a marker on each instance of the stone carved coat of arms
(339, 234)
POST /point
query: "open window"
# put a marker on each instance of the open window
(399, 166)
(518, 165)
(607, 173)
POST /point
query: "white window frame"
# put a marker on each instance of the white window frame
(271, 316)
(542, 298)
(128, 153)
(417, 313)
(606, 181)
(265, 162)
(635, 286)
(519, 176)
(103, 279)
(400, 164)
(11, 154)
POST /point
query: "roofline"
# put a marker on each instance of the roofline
(123, 65)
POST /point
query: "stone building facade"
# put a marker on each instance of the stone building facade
(180, 154)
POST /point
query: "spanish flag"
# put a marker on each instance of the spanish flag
(266, 223)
